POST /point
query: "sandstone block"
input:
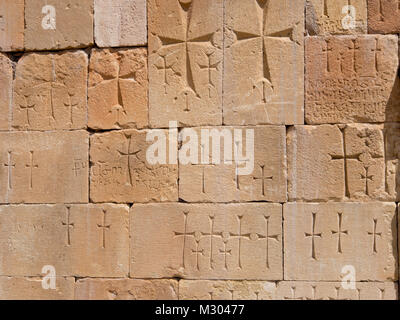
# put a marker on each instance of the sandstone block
(210, 181)
(6, 79)
(126, 289)
(351, 79)
(118, 85)
(53, 24)
(44, 167)
(120, 23)
(121, 170)
(284, 290)
(321, 239)
(264, 62)
(50, 91)
(24, 288)
(185, 62)
(347, 162)
(78, 240)
(226, 290)
(12, 25)
(336, 17)
(383, 16)
(203, 241)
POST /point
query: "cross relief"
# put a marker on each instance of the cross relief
(230, 246)
(30, 167)
(340, 231)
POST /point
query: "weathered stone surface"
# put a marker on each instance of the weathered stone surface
(347, 162)
(118, 86)
(284, 290)
(185, 62)
(219, 182)
(337, 16)
(24, 288)
(321, 239)
(78, 240)
(126, 289)
(44, 167)
(50, 91)
(120, 23)
(383, 16)
(226, 290)
(264, 62)
(350, 79)
(53, 24)
(12, 25)
(203, 241)
(121, 171)
(6, 79)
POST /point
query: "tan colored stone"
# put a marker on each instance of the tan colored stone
(118, 86)
(44, 167)
(264, 62)
(185, 62)
(126, 289)
(12, 25)
(212, 182)
(299, 290)
(50, 91)
(6, 79)
(338, 16)
(120, 23)
(321, 239)
(121, 172)
(24, 288)
(284, 290)
(226, 290)
(350, 79)
(383, 16)
(203, 241)
(71, 25)
(78, 240)
(346, 163)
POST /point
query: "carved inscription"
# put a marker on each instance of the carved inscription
(349, 79)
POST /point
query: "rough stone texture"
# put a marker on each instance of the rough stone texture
(44, 167)
(213, 182)
(383, 16)
(6, 78)
(24, 288)
(333, 17)
(185, 62)
(284, 290)
(73, 27)
(203, 241)
(50, 91)
(351, 79)
(348, 162)
(120, 23)
(264, 62)
(120, 171)
(126, 289)
(69, 237)
(118, 86)
(11, 25)
(320, 239)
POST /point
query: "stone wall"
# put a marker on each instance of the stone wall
(114, 117)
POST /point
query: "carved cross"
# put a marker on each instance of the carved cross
(129, 154)
(263, 36)
(104, 227)
(313, 235)
(340, 232)
(31, 165)
(267, 237)
(69, 225)
(263, 179)
(9, 165)
(374, 235)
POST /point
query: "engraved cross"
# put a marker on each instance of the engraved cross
(374, 234)
(69, 225)
(129, 154)
(340, 232)
(104, 227)
(10, 165)
(31, 165)
(313, 235)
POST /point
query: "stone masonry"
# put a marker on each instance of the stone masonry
(199, 149)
